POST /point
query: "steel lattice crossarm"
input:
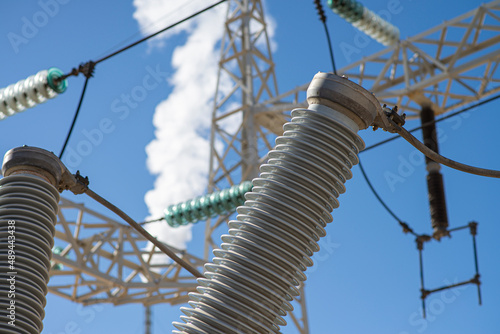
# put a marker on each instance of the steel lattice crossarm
(104, 261)
(446, 67)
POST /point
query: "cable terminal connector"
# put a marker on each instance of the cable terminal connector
(81, 185)
(386, 117)
(87, 69)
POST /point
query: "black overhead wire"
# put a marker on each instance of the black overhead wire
(125, 48)
(405, 226)
(149, 27)
(159, 32)
(151, 221)
(322, 18)
(87, 69)
(74, 117)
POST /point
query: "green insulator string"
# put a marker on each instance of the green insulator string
(210, 205)
(56, 266)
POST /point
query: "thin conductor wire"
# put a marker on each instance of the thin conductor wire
(158, 32)
(74, 117)
(322, 18)
(91, 65)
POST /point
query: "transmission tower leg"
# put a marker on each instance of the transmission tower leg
(435, 186)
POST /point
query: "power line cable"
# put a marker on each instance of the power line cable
(433, 122)
(159, 32)
(151, 221)
(405, 226)
(88, 68)
(332, 59)
(322, 18)
(149, 27)
(441, 159)
(76, 71)
(370, 185)
(74, 117)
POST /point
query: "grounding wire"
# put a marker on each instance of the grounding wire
(74, 117)
(433, 122)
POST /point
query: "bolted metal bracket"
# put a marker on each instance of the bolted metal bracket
(386, 117)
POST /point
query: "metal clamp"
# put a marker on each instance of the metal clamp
(385, 118)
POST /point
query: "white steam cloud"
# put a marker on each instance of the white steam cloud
(180, 153)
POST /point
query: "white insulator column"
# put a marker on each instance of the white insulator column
(28, 210)
(261, 262)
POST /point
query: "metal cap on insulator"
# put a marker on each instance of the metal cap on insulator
(344, 96)
(55, 81)
(34, 161)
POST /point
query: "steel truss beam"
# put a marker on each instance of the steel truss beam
(446, 67)
(104, 261)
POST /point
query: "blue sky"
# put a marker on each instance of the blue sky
(365, 278)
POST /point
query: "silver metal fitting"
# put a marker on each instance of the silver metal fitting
(344, 96)
(44, 164)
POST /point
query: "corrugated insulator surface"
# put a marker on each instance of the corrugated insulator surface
(29, 204)
(254, 276)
